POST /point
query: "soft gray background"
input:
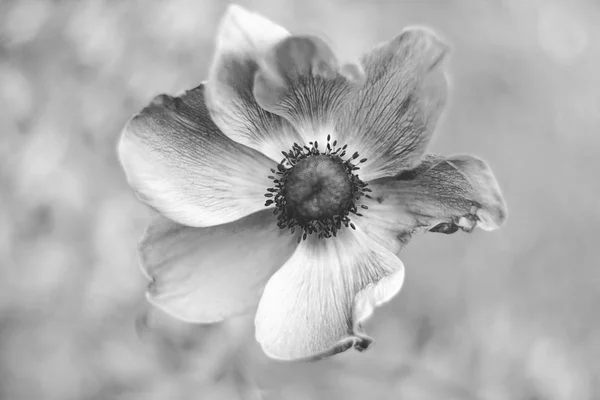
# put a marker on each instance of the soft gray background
(505, 315)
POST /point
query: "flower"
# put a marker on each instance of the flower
(288, 184)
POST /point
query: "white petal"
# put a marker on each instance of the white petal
(178, 162)
(208, 274)
(313, 305)
(391, 119)
(442, 195)
(377, 294)
(242, 41)
(245, 31)
(301, 81)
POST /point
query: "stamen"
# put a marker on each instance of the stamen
(327, 223)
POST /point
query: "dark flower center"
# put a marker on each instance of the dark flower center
(318, 187)
(316, 190)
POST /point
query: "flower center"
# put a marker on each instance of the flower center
(318, 187)
(316, 190)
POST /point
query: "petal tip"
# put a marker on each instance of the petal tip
(428, 35)
(363, 343)
(354, 72)
(243, 29)
(126, 147)
(494, 215)
(234, 13)
(161, 100)
(235, 8)
(359, 342)
(492, 210)
(132, 128)
(427, 41)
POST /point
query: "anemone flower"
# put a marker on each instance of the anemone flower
(286, 184)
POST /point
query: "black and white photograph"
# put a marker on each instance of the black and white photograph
(299, 200)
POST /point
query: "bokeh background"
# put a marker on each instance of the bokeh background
(511, 314)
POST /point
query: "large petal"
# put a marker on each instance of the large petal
(208, 274)
(442, 195)
(243, 39)
(300, 80)
(391, 119)
(314, 304)
(178, 162)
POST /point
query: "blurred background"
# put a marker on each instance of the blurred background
(511, 314)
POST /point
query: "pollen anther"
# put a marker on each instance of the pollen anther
(316, 190)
